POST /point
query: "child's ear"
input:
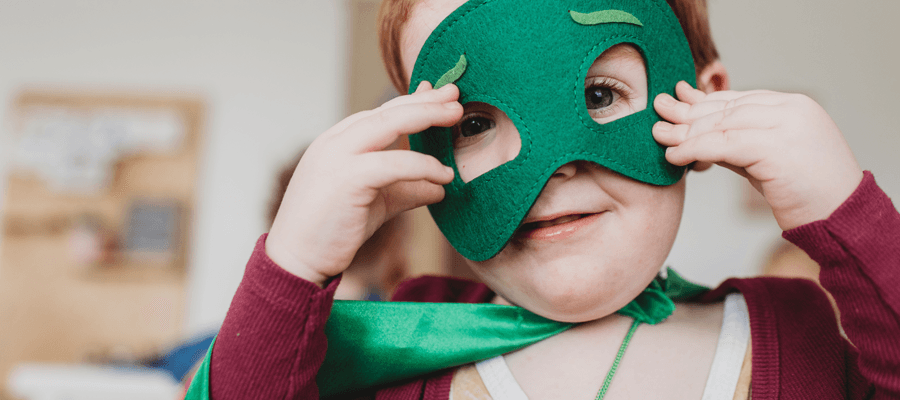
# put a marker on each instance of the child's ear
(713, 78)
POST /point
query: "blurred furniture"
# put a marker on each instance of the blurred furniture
(95, 222)
(39, 381)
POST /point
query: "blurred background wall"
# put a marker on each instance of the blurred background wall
(844, 55)
(273, 74)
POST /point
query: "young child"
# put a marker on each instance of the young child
(569, 229)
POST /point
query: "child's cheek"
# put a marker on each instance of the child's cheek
(591, 276)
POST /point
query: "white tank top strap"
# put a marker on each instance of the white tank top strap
(723, 376)
(499, 380)
(729, 356)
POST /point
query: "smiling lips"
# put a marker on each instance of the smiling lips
(556, 228)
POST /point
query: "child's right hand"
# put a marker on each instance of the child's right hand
(347, 185)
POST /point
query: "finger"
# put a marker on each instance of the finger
(740, 148)
(680, 112)
(346, 122)
(764, 97)
(688, 94)
(403, 196)
(425, 94)
(424, 85)
(727, 95)
(380, 129)
(668, 134)
(746, 116)
(380, 169)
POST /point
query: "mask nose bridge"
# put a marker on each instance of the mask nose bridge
(564, 138)
(557, 132)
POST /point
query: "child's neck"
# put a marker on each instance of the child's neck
(498, 299)
(674, 356)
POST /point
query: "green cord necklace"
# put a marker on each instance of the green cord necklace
(615, 366)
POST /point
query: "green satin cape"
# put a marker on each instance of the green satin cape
(371, 344)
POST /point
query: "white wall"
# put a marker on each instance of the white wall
(842, 53)
(271, 72)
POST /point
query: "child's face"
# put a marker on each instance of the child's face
(594, 239)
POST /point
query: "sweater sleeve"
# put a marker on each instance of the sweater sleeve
(858, 248)
(272, 342)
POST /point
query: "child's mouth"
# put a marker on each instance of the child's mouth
(556, 228)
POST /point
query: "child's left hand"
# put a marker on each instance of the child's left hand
(786, 145)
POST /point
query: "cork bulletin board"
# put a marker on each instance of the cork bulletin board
(96, 220)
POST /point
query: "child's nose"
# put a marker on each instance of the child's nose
(566, 171)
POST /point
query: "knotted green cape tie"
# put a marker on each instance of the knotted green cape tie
(371, 344)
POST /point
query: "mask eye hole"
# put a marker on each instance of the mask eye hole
(485, 138)
(616, 84)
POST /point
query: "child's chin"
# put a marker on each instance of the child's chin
(572, 297)
(575, 316)
(575, 308)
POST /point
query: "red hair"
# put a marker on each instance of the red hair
(393, 15)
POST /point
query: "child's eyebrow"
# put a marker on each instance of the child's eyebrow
(605, 17)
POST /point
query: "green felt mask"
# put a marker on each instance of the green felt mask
(530, 60)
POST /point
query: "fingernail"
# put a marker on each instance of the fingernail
(450, 171)
(667, 100)
(662, 127)
(688, 85)
(452, 105)
(421, 84)
(446, 88)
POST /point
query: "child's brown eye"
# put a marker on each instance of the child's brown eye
(598, 97)
(474, 125)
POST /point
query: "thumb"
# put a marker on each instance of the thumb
(407, 195)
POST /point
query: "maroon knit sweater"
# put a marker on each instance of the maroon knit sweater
(272, 341)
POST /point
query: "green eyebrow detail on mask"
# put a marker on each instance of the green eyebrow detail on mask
(454, 73)
(605, 17)
(533, 69)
